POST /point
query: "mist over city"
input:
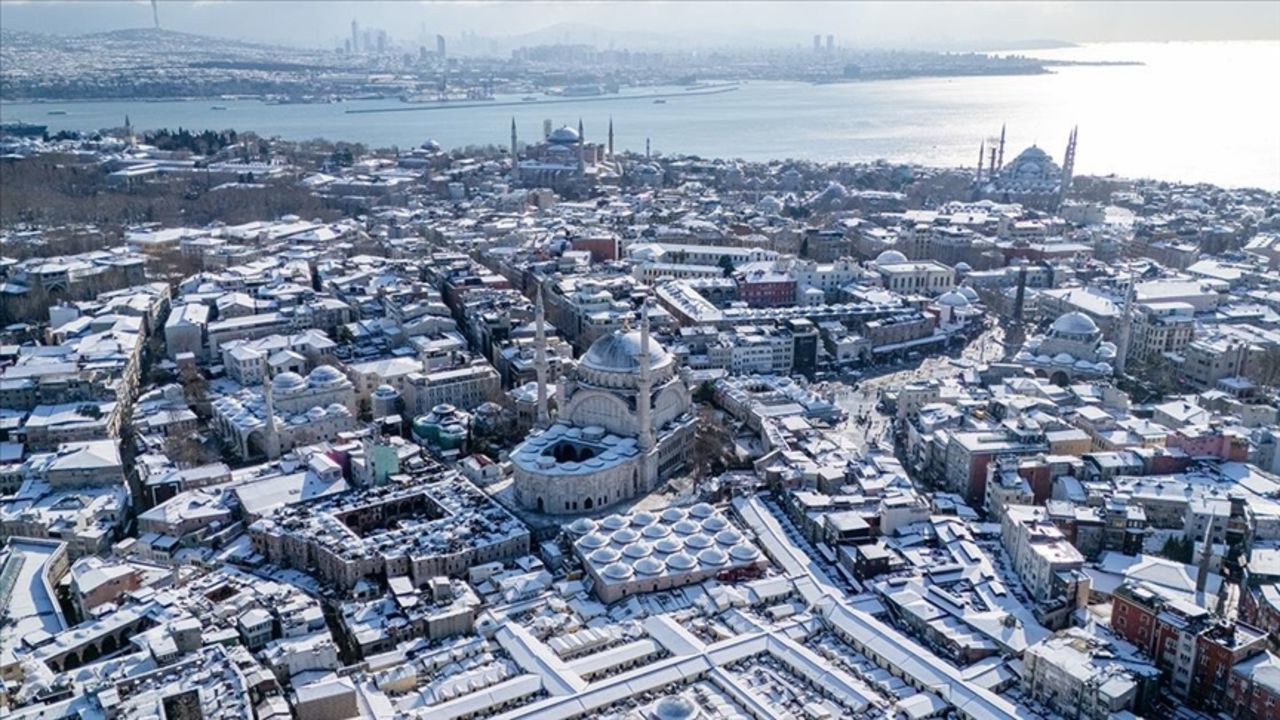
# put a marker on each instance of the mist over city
(639, 360)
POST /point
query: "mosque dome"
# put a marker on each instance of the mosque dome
(890, 257)
(969, 293)
(953, 299)
(287, 382)
(563, 136)
(325, 376)
(1074, 323)
(431, 146)
(963, 267)
(619, 352)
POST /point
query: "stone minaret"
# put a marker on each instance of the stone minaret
(582, 150)
(543, 419)
(1125, 331)
(515, 158)
(610, 138)
(644, 389)
(272, 439)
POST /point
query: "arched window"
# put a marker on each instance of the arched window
(587, 505)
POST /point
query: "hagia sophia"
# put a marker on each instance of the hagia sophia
(564, 161)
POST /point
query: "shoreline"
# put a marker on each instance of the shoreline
(537, 103)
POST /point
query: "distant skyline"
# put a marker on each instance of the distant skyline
(641, 25)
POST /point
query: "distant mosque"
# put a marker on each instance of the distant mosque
(624, 426)
(1032, 179)
(564, 161)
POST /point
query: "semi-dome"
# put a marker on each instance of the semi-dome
(563, 136)
(890, 257)
(619, 352)
(1074, 323)
(287, 382)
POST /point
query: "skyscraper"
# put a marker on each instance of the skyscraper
(355, 36)
(440, 46)
(831, 44)
(817, 43)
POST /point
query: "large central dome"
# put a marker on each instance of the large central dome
(619, 352)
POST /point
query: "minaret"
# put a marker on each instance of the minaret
(1000, 157)
(610, 137)
(1068, 166)
(644, 389)
(646, 149)
(543, 418)
(982, 154)
(515, 158)
(272, 439)
(1123, 336)
(582, 158)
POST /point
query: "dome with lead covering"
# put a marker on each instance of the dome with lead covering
(702, 510)
(604, 556)
(714, 524)
(564, 135)
(287, 382)
(582, 526)
(625, 536)
(953, 299)
(713, 556)
(613, 522)
(728, 536)
(1074, 323)
(890, 257)
(618, 571)
(637, 550)
(686, 527)
(650, 566)
(668, 546)
(681, 562)
(699, 541)
(619, 352)
(673, 515)
(656, 531)
(593, 541)
(325, 376)
(744, 553)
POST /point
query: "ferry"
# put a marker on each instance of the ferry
(528, 98)
(218, 107)
(56, 112)
(659, 101)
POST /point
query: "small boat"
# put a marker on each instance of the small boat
(659, 101)
(56, 112)
(218, 107)
(528, 98)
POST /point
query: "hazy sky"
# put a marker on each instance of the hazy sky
(639, 24)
